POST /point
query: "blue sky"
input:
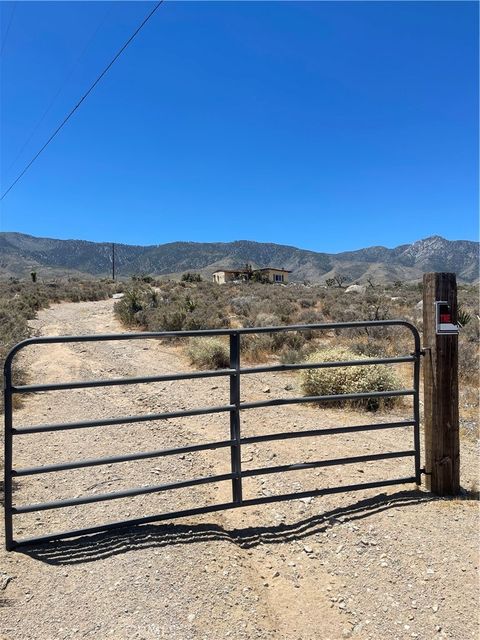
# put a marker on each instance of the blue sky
(325, 125)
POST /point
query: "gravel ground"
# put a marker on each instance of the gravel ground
(389, 563)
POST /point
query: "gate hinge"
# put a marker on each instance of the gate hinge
(420, 352)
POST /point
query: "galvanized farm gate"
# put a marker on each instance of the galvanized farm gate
(234, 443)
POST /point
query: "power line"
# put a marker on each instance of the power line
(85, 95)
(59, 91)
(8, 28)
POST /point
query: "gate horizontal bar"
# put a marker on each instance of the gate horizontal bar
(213, 332)
(86, 384)
(127, 493)
(326, 463)
(187, 483)
(123, 524)
(206, 410)
(333, 397)
(204, 447)
(327, 365)
(120, 420)
(92, 462)
(285, 435)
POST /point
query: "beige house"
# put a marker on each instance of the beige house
(272, 274)
(229, 275)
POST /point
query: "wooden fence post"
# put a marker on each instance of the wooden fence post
(442, 455)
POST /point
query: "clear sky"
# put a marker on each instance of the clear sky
(325, 125)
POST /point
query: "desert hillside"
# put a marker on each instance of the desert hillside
(20, 254)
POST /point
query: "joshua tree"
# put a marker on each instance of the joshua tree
(336, 281)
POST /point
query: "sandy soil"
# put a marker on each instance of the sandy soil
(390, 563)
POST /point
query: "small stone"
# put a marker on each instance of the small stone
(434, 608)
(307, 549)
(266, 389)
(4, 580)
(288, 387)
(191, 617)
(339, 548)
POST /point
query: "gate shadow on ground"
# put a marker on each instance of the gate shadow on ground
(124, 540)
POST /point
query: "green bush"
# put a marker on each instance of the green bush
(208, 353)
(355, 379)
(191, 277)
(136, 300)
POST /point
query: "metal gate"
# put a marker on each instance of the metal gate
(234, 443)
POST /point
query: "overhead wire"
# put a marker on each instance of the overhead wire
(59, 90)
(8, 28)
(85, 95)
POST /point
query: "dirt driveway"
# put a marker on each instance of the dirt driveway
(380, 564)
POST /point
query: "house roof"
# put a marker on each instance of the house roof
(243, 270)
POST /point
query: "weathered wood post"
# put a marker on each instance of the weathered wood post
(442, 455)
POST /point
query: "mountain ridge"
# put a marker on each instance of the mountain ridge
(22, 253)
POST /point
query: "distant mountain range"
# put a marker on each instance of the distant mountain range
(20, 254)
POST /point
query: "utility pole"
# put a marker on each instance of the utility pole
(113, 261)
(440, 337)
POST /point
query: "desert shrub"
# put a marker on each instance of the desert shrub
(191, 277)
(290, 355)
(306, 303)
(368, 347)
(358, 379)
(267, 320)
(256, 347)
(284, 309)
(137, 299)
(171, 321)
(468, 362)
(287, 340)
(208, 353)
(242, 305)
(471, 331)
(310, 316)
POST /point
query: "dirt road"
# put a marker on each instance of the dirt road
(376, 564)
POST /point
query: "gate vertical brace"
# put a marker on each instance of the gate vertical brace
(8, 456)
(416, 411)
(235, 417)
